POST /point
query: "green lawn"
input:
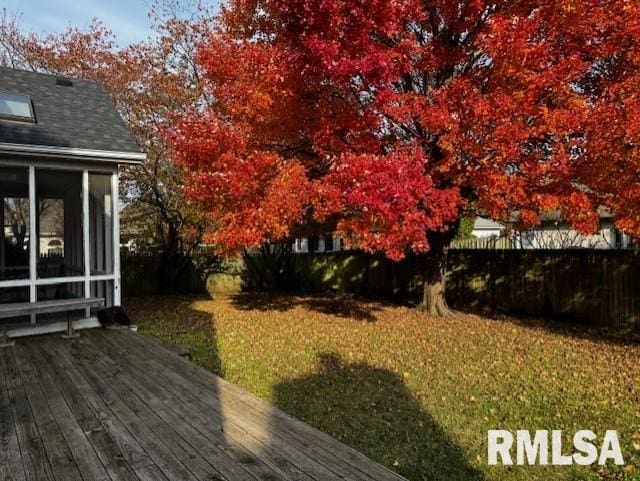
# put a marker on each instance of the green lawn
(414, 393)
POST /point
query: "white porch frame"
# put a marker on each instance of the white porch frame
(85, 169)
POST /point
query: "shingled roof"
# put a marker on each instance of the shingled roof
(72, 117)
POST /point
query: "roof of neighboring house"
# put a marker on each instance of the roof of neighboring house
(73, 118)
(555, 216)
(558, 216)
(482, 223)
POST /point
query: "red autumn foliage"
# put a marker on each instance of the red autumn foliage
(388, 119)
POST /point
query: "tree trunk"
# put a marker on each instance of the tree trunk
(433, 289)
(171, 260)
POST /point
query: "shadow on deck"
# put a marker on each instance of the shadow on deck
(115, 406)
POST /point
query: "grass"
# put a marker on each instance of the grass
(414, 393)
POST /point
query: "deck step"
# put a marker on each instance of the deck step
(50, 328)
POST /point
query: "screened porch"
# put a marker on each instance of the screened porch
(59, 241)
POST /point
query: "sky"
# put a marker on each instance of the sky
(126, 18)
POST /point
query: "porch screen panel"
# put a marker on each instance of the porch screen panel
(59, 223)
(101, 224)
(65, 290)
(9, 295)
(103, 289)
(14, 218)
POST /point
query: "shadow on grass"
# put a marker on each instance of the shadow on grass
(331, 304)
(363, 406)
(582, 293)
(176, 321)
(622, 336)
(371, 410)
(608, 336)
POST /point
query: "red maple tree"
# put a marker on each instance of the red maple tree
(387, 120)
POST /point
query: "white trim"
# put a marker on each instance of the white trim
(86, 247)
(102, 277)
(33, 239)
(3, 263)
(50, 281)
(115, 221)
(59, 165)
(66, 152)
(16, 283)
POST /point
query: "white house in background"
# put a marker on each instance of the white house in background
(483, 228)
(554, 233)
(325, 243)
(61, 142)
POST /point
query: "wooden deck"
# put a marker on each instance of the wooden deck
(122, 406)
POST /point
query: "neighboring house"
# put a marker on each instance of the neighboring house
(130, 235)
(483, 228)
(556, 233)
(553, 233)
(325, 243)
(61, 142)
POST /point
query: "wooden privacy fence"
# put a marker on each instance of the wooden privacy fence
(591, 286)
(142, 273)
(486, 243)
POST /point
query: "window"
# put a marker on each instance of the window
(16, 107)
(68, 290)
(59, 223)
(103, 289)
(14, 217)
(65, 290)
(328, 243)
(314, 244)
(100, 224)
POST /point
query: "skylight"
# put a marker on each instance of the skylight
(16, 107)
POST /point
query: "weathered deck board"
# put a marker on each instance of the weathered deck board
(206, 421)
(84, 454)
(116, 406)
(106, 449)
(277, 454)
(32, 454)
(338, 457)
(58, 454)
(11, 468)
(195, 452)
(128, 449)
